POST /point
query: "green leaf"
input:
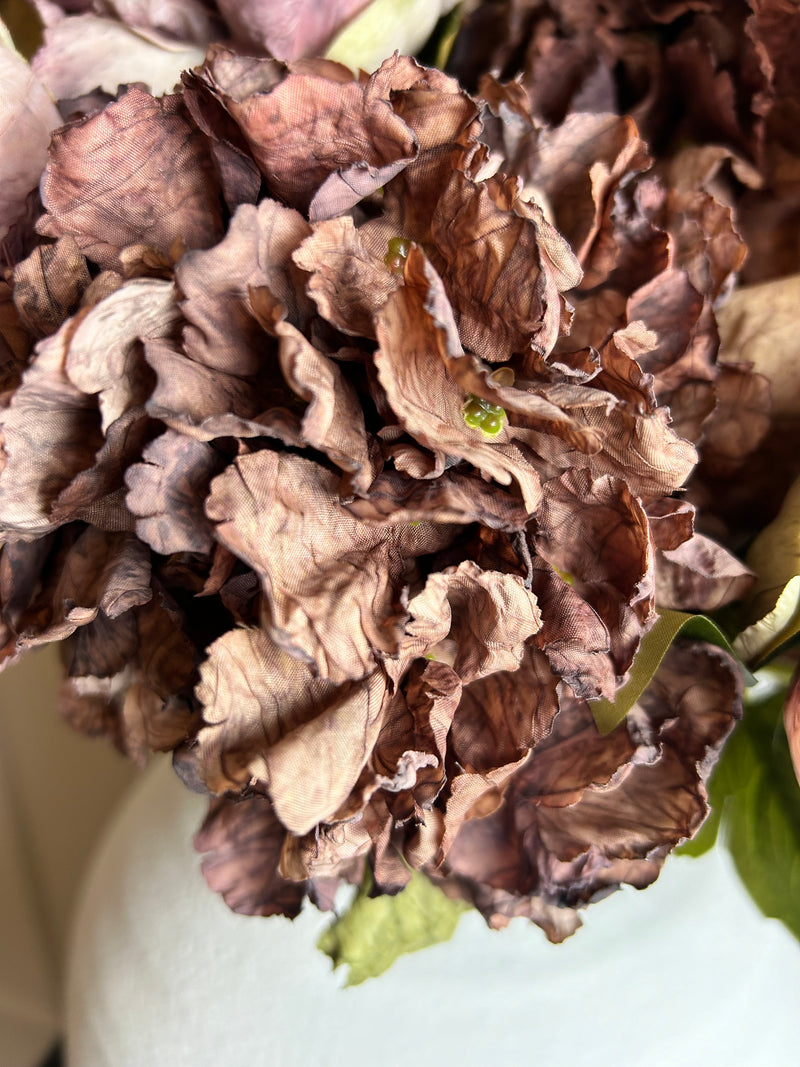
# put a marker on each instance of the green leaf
(669, 625)
(375, 931)
(385, 26)
(755, 791)
(766, 637)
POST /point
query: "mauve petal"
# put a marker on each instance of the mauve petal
(103, 169)
(242, 842)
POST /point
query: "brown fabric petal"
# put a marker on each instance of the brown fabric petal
(280, 514)
(15, 341)
(427, 401)
(321, 140)
(105, 354)
(597, 533)
(333, 422)
(573, 636)
(103, 169)
(411, 747)
(97, 572)
(348, 284)
(452, 497)
(498, 269)
(612, 818)
(51, 431)
(305, 739)
(166, 491)
(579, 165)
(242, 841)
(484, 618)
(700, 575)
(49, 284)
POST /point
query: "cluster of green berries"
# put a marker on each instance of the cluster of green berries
(482, 414)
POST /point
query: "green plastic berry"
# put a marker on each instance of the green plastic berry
(493, 422)
(397, 255)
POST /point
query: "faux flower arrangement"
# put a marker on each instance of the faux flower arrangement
(368, 442)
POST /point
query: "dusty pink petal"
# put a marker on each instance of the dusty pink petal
(83, 52)
(99, 182)
(584, 815)
(504, 714)
(288, 30)
(27, 115)
(50, 431)
(321, 140)
(105, 355)
(226, 373)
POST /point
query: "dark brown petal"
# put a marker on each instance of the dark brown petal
(104, 169)
(166, 492)
(573, 636)
(586, 812)
(410, 749)
(579, 165)
(242, 841)
(270, 721)
(498, 268)
(15, 342)
(98, 572)
(281, 515)
(49, 284)
(597, 533)
(502, 715)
